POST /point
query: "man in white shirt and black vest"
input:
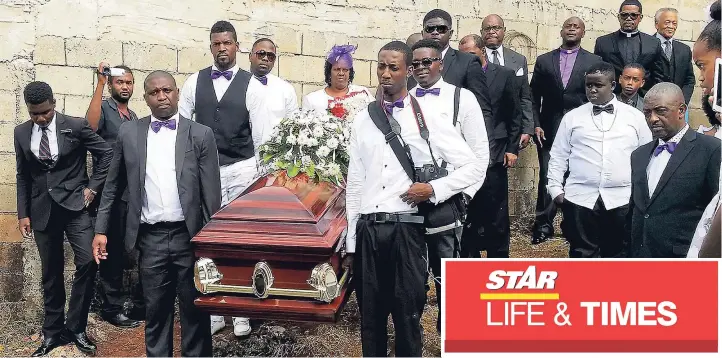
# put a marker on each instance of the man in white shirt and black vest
(226, 99)
(385, 243)
(280, 95)
(459, 107)
(594, 143)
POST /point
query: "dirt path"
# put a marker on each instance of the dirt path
(271, 338)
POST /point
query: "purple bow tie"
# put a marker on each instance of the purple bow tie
(262, 79)
(390, 106)
(420, 92)
(155, 125)
(670, 147)
(215, 74)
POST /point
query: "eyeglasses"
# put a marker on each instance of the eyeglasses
(441, 29)
(629, 15)
(492, 28)
(262, 53)
(426, 62)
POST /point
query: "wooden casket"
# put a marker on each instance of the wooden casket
(275, 253)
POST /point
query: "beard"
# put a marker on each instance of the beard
(118, 98)
(708, 111)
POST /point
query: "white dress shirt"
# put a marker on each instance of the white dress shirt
(656, 165)
(500, 55)
(261, 114)
(319, 100)
(443, 53)
(470, 122)
(376, 179)
(280, 95)
(37, 135)
(161, 202)
(597, 152)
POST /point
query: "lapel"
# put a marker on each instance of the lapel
(578, 69)
(181, 143)
(645, 159)
(143, 148)
(615, 46)
(683, 149)
(510, 59)
(491, 71)
(60, 126)
(448, 60)
(556, 63)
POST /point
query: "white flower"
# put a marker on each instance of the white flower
(332, 143)
(318, 131)
(306, 160)
(312, 142)
(323, 151)
(291, 139)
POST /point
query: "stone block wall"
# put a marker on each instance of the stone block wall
(62, 41)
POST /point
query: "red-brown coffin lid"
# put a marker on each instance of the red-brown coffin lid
(278, 214)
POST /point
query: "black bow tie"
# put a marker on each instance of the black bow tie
(599, 109)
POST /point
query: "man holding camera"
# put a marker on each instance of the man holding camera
(392, 141)
(105, 117)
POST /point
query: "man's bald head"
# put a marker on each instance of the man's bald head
(493, 18)
(572, 32)
(576, 20)
(414, 38)
(157, 75)
(664, 109)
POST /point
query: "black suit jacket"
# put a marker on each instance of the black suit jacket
(550, 99)
(679, 70)
(197, 175)
(516, 61)
(651, 58)
(506, 122)
(663, 225)
(464, 70)
(64, 181)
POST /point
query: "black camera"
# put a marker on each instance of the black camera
(429, 172)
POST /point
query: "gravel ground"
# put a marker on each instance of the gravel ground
(268, 338)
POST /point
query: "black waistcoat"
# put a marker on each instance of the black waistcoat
(229, 119)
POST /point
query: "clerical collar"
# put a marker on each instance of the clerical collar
(629, 34)
(570, 51)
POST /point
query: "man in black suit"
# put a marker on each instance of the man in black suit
(172, 194)
(487, 226)
(558, 83)
(492, 32)
(53, 193)
(673, 178)
(677, 57)
(629, 45)
(460, 69)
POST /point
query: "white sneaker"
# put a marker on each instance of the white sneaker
(217, 324)
(241, 326)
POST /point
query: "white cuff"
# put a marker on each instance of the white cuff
(554, 191)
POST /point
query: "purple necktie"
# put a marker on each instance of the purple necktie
(215, 74)
(262, 79)
(420, 92)
(670, 147)
(155, 125)
(390, 106)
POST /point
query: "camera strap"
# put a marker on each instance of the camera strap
(457, 96)
(423, 129)
(382, 121)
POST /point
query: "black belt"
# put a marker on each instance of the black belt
(398, 218)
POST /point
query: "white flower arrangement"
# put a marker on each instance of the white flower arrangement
(311, 142)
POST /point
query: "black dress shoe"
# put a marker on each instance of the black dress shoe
(48, 345)
(83, 342)
(121, 320)
(539, 237)
(136, 313)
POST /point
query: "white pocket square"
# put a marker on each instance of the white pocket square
(66, 130)
(520, 72)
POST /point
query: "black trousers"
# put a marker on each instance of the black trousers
(390, 267)
(166, 266)
(112, 295)
(595, 232)
(445, 244)
(487, 219)
(77, 227)
(546, 209)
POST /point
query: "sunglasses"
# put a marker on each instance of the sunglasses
(629, 15)
(441, 29)
(426, 62)
(262, 53)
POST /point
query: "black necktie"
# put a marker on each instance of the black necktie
(599, 109)
(44, 150)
